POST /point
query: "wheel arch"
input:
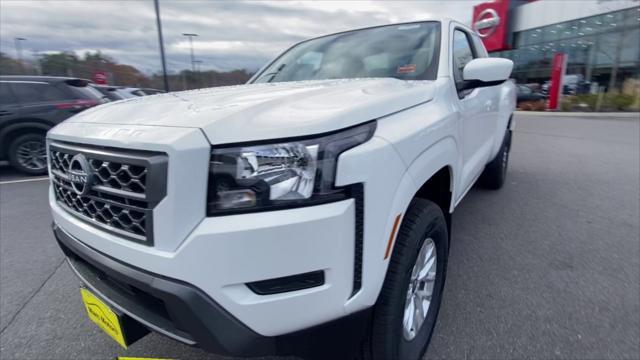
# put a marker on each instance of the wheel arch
(437, 186)
(21, 127)
(439, 189)
(431, 176)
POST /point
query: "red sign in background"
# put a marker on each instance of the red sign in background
(558, 69)
(100, 77)
(491, 22)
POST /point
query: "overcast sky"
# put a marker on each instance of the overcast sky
(232, 34)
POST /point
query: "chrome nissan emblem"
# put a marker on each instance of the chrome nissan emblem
(79, 174)
(487, 23)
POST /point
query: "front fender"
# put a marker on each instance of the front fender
(443, 153)
(389, 189)
(377, 165)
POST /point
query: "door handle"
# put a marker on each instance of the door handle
(3, 113)
(487, 105)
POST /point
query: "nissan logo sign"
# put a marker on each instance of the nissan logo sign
(79, 174)
(486, 23)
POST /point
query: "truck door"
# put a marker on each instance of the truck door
(476, 107)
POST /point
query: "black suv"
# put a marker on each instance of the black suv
(29, 107)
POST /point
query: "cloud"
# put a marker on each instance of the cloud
(232, 34)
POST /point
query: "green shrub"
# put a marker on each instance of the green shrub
(567, 103)
(583, 102)
(589, 99)
(617, 101)
(589, 102)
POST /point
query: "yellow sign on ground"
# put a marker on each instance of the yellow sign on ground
(138, 358)
(102, 315)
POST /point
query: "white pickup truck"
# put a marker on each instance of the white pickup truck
(306, 212)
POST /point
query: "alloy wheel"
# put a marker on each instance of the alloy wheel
(420, 291)
(32, 155)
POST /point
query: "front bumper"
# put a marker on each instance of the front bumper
(170, 307)
(185, 313)
(224, 254)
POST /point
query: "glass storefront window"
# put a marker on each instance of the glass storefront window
(579, 28)
(606, 50)
(631, 50)
(594, 46)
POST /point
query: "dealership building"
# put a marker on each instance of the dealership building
(601, 39)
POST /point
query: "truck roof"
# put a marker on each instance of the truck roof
(38, 78)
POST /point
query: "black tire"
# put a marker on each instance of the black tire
(495, 173)
(423, 220)
(29, 143)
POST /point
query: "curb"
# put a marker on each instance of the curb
(581, 114)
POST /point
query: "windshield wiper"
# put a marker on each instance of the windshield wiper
(273, 73)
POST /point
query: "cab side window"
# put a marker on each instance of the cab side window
(480, 50)
(462, 53)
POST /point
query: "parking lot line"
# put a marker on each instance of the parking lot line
(24, 180)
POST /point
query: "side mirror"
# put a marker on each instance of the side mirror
(485, 72)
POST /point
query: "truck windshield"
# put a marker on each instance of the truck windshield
(405, 51)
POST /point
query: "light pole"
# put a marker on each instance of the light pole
(161, 41)
(19, 50)
(38, 57)
(193, 59)
(198, 64)
(199, 77)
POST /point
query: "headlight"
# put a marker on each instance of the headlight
(287, 173)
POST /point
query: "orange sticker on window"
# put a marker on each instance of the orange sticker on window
(406, 69)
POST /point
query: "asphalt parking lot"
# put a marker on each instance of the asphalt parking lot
(546, 268)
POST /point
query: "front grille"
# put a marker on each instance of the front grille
(127, 218)
(120, 176)
(113, 189)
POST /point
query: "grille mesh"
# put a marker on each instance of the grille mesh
(119, 195)
(120, 217)
(120, 176)
(112, 174)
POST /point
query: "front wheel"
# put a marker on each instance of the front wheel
(28, 154)
(406, 310)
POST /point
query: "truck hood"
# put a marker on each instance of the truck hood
(266, 111)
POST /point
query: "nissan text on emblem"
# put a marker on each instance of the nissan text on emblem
(486, 23)
(79, 174)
